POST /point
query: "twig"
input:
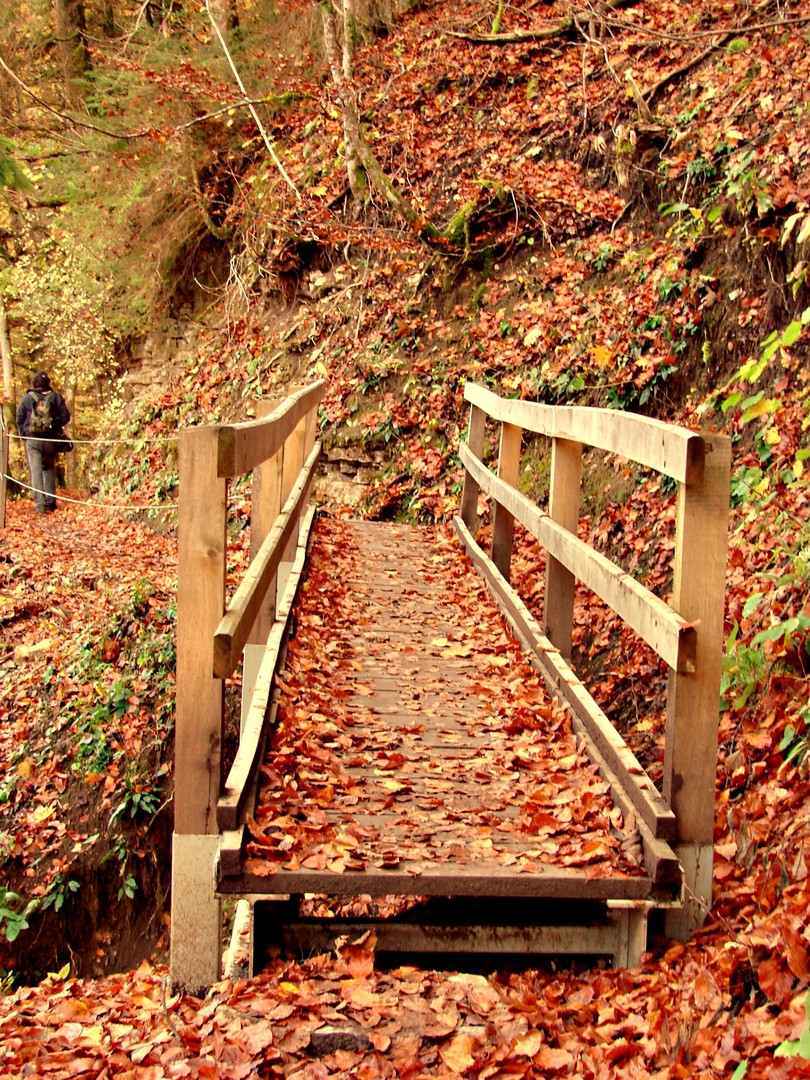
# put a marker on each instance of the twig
(163, 983)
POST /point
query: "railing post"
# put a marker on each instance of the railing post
(563, 508)
(196, 918)
(293, 457)
(690, 754)
(503, 523)
(475, 441)
(265, 506)
(4, 441)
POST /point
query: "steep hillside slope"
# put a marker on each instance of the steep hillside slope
(604, 205)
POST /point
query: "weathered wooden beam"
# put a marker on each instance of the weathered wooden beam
(431, 879)
(666, 448)
(234, 628)
(475, 441)
(563, 508)
(693, 709)
(503, 522)
(243, 446)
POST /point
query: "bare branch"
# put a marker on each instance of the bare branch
(268, 144)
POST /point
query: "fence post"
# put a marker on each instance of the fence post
(196, 917)
(563, 508)
(293, 458)
(4, 441)
(690, 754)
(503, 523)
(475, 441)
(265, 505)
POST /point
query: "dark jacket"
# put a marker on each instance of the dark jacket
(59, 411)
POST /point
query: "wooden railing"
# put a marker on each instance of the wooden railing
(212, 639)
(687, 632)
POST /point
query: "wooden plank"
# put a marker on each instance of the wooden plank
(564, 500)
(425, 879)
(503, 522)
(475, 441)
(672, 636)
(200, 602)
(231, 802)
(578, 939)
(648, 803)
(232, 632)
(244, 446)
(666, 448)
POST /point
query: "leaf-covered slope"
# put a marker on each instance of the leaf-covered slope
(622, 209)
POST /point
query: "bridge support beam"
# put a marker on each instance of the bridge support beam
(196, 929)
(693, 697)
(196, 934)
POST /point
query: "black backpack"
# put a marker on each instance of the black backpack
(41, 421)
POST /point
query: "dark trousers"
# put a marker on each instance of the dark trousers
(41, 461)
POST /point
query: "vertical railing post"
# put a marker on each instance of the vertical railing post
(196, 918)
(693, 699)
(293, 458)
(265, 506)
(503, 523)
(4, 443)
(471, 489)
(563, 508)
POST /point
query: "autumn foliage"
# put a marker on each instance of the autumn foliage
(618, 199)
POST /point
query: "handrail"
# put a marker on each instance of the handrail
(232, 633)
(687, 632)
(281, 451)
(674, 451)
(241, 447)
(652, 618)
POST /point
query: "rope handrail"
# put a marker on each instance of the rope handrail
(89, 502)
(97, 442)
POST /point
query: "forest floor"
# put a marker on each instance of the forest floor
(608, 257)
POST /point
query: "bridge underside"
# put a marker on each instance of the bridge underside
(414, 750)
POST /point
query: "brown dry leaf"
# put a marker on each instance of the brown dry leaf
(459, 1054)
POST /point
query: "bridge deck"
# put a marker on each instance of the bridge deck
(416, 751)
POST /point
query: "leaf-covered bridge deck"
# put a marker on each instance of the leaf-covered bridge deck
(415, 750)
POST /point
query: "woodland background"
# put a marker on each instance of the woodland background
(204, 204)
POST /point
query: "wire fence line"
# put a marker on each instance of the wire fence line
(91, 502)
(97, 442)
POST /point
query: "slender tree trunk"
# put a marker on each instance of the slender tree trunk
(5, 352)
(8, 407)
(108, 18)
(340, 64)
(71, 33)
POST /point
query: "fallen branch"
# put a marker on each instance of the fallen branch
(727, 35)
(560, 29)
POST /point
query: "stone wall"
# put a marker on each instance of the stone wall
(160, 357)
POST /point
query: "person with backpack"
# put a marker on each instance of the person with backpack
(41, 416)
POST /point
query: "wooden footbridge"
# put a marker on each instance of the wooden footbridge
(410, 730)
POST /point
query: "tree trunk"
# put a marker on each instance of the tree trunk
(108, 26)
(340, 64)
(9, 411)
(71, 33)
